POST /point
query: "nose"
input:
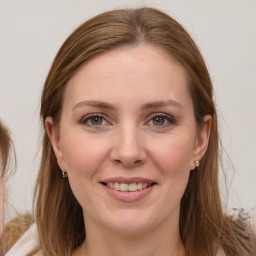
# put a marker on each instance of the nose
(128, 147)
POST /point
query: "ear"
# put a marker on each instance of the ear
(202, 140)
(54, 137)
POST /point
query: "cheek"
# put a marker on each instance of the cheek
(83, 155)
(173, 158)
(176, 153)
(84, 158)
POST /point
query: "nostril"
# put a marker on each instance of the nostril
(128, 162)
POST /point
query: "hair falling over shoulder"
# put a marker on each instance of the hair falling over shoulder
(204, 228)
(7, 167)
(14, 229)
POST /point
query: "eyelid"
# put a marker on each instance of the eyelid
(161, 115)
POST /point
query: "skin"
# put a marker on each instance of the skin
(129, 141)
(2, 204)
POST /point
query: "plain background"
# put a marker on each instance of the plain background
(32, 31)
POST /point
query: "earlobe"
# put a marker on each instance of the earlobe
(53, 135)
(202, 140)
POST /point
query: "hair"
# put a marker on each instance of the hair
(204, 228)
(7, 167)
(14, 229)
(6, 148)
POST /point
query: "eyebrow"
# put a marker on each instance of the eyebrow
(93, 103)
(158, 104)
(105, 105)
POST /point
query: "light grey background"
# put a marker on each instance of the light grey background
(32, 31)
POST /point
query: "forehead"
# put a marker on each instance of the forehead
(129, 72)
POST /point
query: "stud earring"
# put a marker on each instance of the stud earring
(197, 163)
(64, 174)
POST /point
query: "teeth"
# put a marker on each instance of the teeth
(124, 187)
(133, 187)
(139, 186)
(116, 186)
(144, 185)
(128, 187)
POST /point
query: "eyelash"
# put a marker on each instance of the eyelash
(167, 118)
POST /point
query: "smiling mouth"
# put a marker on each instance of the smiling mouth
(124, 187)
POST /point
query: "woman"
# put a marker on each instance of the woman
(5, 149)
(5, 152)
(12, 231)
(130, 150)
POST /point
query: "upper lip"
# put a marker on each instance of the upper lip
(129, 180)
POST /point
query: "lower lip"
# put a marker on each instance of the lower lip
(129, 196)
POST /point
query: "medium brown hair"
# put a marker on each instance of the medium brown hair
(203, 226)
(6, 148)
(7, 167)
(14, 229)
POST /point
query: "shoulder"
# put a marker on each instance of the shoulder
(253, 220)
(221, 252)
(26, 244)
(14, 229)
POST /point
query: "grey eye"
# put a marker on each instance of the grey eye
(158, 120)
(96, 120)
(161, 120)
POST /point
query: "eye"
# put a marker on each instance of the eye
(161, 120)
(158, 120)
(94, 120)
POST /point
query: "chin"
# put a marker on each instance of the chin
(130, 230)
(130, 223)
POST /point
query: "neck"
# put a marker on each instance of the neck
(158, 242)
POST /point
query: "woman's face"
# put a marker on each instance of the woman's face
(127, 123)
